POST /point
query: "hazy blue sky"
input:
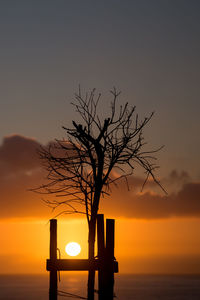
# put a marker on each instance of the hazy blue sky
(147, 49)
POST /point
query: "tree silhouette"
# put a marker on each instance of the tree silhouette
(80, 168)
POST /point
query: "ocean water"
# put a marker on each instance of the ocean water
(127, 287)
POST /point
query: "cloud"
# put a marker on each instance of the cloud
(150, 205)
(18, 153)
(21, 170)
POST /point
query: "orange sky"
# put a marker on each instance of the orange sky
(155, 233)
(162, 246)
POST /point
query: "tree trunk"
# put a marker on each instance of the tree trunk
(91, 273)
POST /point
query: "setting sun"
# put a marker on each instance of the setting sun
(73, 249)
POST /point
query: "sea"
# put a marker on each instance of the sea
(73, 285)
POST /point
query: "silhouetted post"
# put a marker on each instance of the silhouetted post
(105, 264)
(101, 256)
(53, 257)
(110, 231)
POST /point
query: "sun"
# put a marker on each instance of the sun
(73, 249)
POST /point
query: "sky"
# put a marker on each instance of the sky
(149, 50)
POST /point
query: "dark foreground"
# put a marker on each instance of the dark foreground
(127, 287)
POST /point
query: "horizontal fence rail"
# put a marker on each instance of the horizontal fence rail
(75, 265)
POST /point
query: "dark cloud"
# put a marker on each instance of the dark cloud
(176, 180)
(18, 153)
(20, 170)
(150, 205)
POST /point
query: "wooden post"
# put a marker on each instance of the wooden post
(105, 264)
(110, 231)
(53, 258)
(101, 255)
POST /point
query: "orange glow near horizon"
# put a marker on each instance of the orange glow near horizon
(161, 246)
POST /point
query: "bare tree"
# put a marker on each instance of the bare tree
(80, 167)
